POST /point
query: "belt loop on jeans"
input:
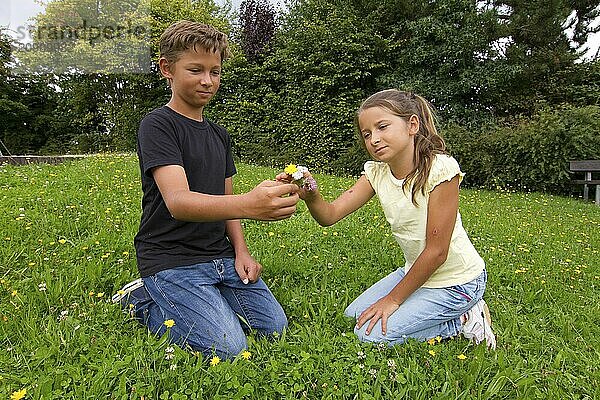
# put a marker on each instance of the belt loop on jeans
(219, 267)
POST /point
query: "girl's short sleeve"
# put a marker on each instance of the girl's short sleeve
(369, 170)
(444, 168)
(374, 171)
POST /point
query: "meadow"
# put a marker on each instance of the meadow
(66, 246)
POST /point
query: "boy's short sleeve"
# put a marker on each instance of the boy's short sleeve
(444, 168)
(157, 145)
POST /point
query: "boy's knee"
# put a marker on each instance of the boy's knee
(275, 326)
(280, 323)
(226, 348)
(232, 346)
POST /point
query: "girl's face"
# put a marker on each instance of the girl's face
(387, 137)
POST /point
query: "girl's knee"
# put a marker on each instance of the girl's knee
(375, 336)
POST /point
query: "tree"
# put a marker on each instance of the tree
(257, 19)
(298, 103)
(442, 50)
(83, 63)
(537, 50)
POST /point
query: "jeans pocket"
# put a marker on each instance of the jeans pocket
(461, 292)
(471, 290)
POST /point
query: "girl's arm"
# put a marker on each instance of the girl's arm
(441, 217)
(246, 266)
(326, 213)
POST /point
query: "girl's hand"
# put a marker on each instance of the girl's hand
(382, 309)
(247, 268)
(303, 191)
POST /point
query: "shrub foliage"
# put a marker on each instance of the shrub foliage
(514, 108)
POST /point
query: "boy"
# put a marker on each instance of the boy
(195, 266)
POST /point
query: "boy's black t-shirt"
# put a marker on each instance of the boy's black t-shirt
(203, 149)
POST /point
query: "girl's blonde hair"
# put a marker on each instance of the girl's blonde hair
(427, 140)
(184, 35)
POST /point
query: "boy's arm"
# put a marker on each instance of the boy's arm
(264, 202)
(245, 265)
(351, 200)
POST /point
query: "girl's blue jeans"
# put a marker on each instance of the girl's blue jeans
(210, 305)
(426, 314)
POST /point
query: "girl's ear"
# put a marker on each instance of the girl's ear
(413, 124)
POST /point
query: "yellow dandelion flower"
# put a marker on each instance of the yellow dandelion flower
(438, 338)
(100, 294)
(290, 169)
(431, 341)
(246, 355)
(432, 352)
(461, 357)
(13, 293)
(169, 323)
(18, 395)
(215, 360)
(62, 241)
(271, 233)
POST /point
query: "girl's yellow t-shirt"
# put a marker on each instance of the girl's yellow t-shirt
(409, 222)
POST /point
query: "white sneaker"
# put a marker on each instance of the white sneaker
(478, 325)
(126, 290)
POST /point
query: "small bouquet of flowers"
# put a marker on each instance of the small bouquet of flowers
(297, 174)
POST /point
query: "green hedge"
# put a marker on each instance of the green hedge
(531, 154)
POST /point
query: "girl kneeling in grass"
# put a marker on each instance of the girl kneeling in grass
(439, 290)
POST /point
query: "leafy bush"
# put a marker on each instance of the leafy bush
(297, 104)
(528, 154)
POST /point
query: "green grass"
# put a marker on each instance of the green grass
(70, 227)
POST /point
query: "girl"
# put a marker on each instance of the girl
(439, 290)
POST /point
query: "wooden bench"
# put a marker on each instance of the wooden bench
(588, 167)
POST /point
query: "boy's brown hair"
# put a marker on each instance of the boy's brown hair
(184, 35)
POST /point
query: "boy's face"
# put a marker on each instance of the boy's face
(195, 77)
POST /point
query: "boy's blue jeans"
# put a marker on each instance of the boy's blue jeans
(210, 305)
(426, 314)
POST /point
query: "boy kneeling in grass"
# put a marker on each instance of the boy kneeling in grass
(196, 270)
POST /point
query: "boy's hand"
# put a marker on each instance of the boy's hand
(247, 268)
(304, 194)
(271, 201)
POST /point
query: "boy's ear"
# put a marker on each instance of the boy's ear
(165, 68)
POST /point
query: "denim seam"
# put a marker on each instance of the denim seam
(407, 327)
(173, 306)
(247, 315)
